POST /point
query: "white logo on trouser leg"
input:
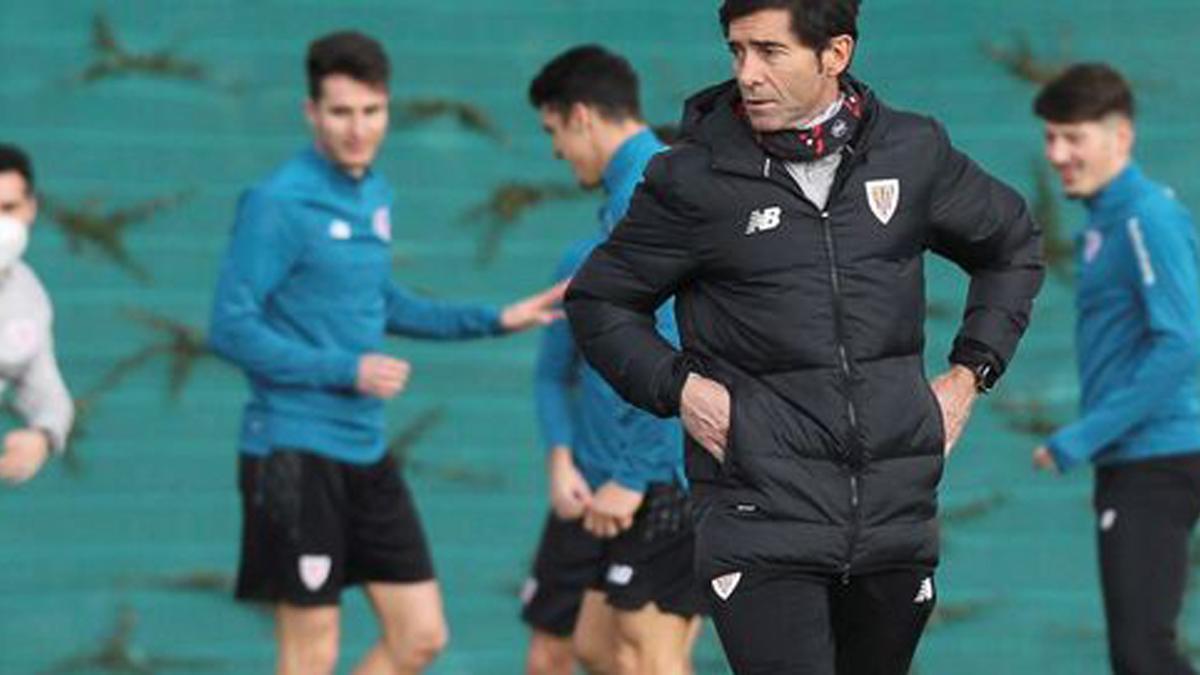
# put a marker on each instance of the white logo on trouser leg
(925, 594)
(314, 571)
(725, 584)
(528, 590)
(620, 575)
(1108, 519)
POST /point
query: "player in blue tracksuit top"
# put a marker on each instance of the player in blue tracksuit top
(1138, 339)
(303, 302)
(614, 566)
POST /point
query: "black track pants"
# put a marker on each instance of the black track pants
(1146, 512)
(779, 624)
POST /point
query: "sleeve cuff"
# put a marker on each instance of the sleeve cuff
(344, 370)
(1063, 459)
(631, 482)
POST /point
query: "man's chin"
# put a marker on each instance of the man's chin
(1076, 192)
(765, 124)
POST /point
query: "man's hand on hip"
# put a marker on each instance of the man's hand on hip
(381, 376)
(569, 492)
(956, 393)
(25, 451)
(611, 511)
(704, 411)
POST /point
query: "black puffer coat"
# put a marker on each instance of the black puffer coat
(814, 320)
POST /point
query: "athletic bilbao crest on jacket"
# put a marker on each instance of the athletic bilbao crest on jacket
(883, 196)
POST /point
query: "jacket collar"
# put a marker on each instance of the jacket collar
(709, 119)
(628, 160)
(334, 176)
(1121, 190)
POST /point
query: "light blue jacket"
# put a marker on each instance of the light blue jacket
(1137, 330)
(609, 438)
(305, 289)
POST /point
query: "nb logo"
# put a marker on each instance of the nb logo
(764, 219)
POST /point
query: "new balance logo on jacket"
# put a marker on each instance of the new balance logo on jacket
(764, 219)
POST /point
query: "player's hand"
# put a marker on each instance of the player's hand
(569, 492)
(1044, 461)
(25, 451)
(381, 376)
(956, 393)
(704, 411)
(611, 511)
(536, 310)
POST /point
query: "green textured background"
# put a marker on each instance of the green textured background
(154, 499)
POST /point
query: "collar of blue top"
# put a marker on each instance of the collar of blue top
(1124, 188)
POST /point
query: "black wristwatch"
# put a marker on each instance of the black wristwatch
(985, 376)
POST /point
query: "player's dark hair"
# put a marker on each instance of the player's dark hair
(1085, 92)
(349, 53)
(814, 22)
(13, 158)
(591, 75)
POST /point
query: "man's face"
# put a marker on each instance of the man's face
(16, 199)
(349, 120)
(1088, 155)
(783, 83)
(572, 139)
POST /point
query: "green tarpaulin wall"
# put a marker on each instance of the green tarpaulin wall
(141, 525)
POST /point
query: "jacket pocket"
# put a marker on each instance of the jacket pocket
(939, 421)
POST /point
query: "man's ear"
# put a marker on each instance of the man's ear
(835, 59)
(580, 116)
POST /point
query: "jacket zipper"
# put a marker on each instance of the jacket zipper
(855, 455)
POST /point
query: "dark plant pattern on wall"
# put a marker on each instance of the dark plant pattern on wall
(90, 225)
(409, 113)
(402, 448)
(113, 59)
(507, 204)
(1021, 62)
(117, 653)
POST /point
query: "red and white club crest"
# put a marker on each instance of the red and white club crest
(883, 196)
(314, 571)
(381, 222)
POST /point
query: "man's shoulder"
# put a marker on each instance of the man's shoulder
(682, 174)
(1159, 204)
(896, 124)
(34, 297)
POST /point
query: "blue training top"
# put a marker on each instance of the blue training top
(609, 438)
(1138, 328)
(304, 290)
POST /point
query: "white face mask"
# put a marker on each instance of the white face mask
(14, 237)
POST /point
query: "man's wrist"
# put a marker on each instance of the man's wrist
(559, 455)
(982, 376)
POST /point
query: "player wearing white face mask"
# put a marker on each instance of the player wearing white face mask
(27, 362)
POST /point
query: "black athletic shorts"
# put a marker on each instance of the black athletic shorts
(650, 562)
(313, 525)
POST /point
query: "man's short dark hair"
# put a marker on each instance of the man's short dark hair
(349, 53)
(13, 158)
(591, 75)
(1085, 92)
(814, 22)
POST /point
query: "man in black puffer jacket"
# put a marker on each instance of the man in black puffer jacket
(790, 225)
